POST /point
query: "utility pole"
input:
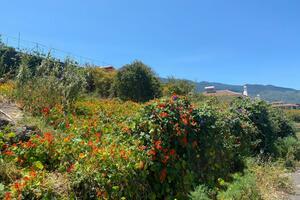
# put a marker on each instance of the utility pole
(19, 38)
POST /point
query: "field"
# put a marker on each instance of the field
(89, 133)
(101, 150)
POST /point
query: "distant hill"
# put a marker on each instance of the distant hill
(267, 92)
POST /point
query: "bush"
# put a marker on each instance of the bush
(136, 82)
(188, 146)
(179, 87)
(99, 80)
(242, 188)
(54, 83)
(288, 149)
(268, 122)
(9, 60)
(294, 115)
(200, 193)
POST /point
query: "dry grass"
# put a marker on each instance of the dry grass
(273, 180)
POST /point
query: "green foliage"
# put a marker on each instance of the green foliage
(243, 187)
(136, 82)
(179, 87)
(188, 145)
(293, 115)
(200, 193)
(53, 83)
(100, 81)
(269, 123)
(288, 149)
(9, 60)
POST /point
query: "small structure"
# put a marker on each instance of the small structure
(288, 106)
(211, 91)
(109, 68)
(245, 93)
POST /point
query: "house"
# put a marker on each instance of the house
(109, 68)
(288, 106)
(211, 91)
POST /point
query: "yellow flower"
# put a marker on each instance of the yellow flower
(81, 155)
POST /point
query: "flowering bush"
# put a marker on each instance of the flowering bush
(6, 89)
(92, 155)
(187, 146)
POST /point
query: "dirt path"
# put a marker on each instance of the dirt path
(296, 180)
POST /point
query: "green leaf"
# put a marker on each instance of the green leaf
(1, 187)
(39, 165)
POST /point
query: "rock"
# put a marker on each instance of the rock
(25, 132)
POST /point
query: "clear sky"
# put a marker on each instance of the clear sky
(229, 41)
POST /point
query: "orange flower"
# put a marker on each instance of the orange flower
(7, 196)
(158, 145)
(142, 147)
(48, 137)
(18, 186)
(26, 178)
(185, 120)
(81, 155)
(46, 111)
(90, 143)
(152, 152)
(9, 153)
(32, 174)
(164, 114)
(161, 105)
(123, 154)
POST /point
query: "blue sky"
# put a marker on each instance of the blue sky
(229, 41)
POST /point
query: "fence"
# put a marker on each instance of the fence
(36, 47)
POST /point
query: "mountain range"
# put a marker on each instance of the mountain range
(269, 93)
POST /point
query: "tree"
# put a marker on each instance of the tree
(9, 60)
(180, 87)
(136, 82)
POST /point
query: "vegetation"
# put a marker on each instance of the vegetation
(100, 81)
(179, 87)
(177, 147)
(294, 115)
(136, 82)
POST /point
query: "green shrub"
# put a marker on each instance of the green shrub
(242, 188)
(187, 146)
(200, 193)
(268, 122)
(136, 82)
(288, 149)
(177, 86)
(53, 83)
(9, 60)
(100, 81)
